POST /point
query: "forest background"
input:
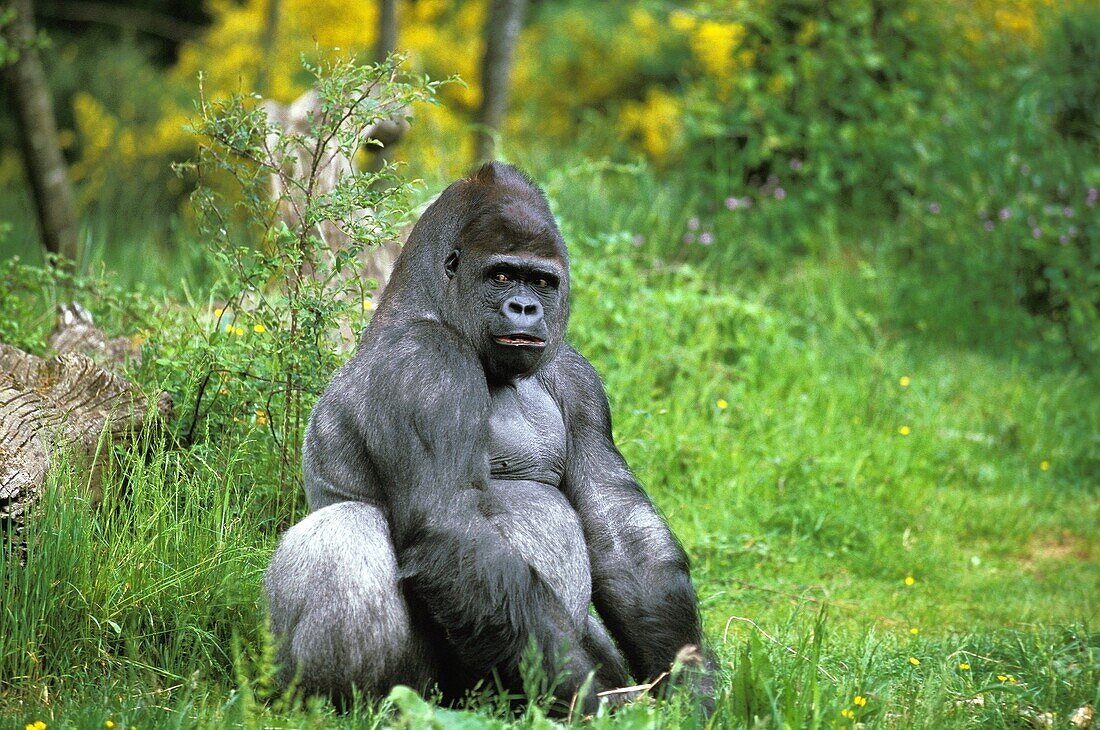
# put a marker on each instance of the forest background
(838, 264)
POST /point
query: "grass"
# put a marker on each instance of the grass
(814, 442)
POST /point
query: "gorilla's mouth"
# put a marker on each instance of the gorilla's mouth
(520, 339)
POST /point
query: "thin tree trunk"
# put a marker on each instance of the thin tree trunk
(268, 37)
(387, 29)
(501, 35)
(29, 96)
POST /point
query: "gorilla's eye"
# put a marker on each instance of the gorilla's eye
(542, 283)
(500, 277)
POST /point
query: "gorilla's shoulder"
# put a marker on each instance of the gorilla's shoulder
(575, 383)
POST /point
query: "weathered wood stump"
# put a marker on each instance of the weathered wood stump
(68, 403)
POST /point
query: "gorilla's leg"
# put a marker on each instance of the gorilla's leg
(337, 608)
(541, 525)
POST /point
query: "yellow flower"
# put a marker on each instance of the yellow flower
(238, 331)
(914, 631)
(848, 713)
(1002, 678)
(1044, 465)
(910, 580)
(229, 327)
(903, 381)
(904, 430)
(964, 667)
(261, 418)
(110, 724)
(219, 312)
(367, 305)
(722, 404)
(914, 661)
(859, 701)
(259, 329)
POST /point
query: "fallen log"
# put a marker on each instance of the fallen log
(67, 404)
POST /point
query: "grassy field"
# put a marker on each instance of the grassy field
(891, 509)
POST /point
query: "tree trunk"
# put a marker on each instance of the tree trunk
(387, 29)
(30, 99)
(268, 37)
(501, 35)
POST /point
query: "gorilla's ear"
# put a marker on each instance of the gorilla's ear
(451, 264)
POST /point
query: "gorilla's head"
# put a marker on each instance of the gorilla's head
(487, 259)
(508, 275)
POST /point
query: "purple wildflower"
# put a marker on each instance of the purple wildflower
(780, 193)
(637, 239)
(1025, 170)
(1067, 212)
(689, 238)
(693, 224)
(796, 164)
(1005, 214)
(1036, 232)
(732, 203)
(988, 225)
(706, 238)
(1063, 239)
(934, 208)
(1090, 197)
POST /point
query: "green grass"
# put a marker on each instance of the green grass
(763, 411)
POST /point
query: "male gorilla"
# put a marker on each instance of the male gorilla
(467, 495)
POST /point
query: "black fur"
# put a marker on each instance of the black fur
(467, 493)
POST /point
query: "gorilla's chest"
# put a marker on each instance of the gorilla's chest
(527, 439)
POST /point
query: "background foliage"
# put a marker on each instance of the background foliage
(839, 265)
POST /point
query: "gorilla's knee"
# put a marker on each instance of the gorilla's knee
(336, 606)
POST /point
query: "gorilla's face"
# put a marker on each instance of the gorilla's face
(513, 306)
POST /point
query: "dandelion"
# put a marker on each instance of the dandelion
(1044, 465)
(780, 193)
(722, 404)
(706, 238)
(219, 312)
(259, 328)
(934, 208)
(964, 667)
(860, 701)
(904, 430)
(238, 331)
(914, 631)
(693, 224)
(914, 661)
(910, 580)
(904, 381)
(848, 713)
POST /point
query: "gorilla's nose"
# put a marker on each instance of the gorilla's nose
(523, 311)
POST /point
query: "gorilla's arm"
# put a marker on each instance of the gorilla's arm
(641, 584)
(427, 427)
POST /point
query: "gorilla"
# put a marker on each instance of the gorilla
(467, 497)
